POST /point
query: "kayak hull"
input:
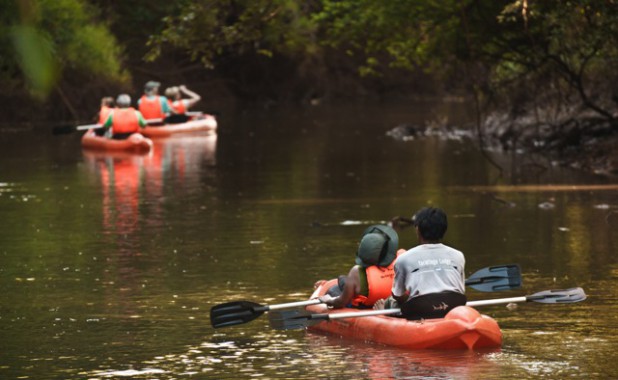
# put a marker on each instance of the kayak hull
(462, 328)
(206, 123)
(135, 143)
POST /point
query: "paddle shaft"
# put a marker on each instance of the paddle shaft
(88, 126)
(543, 297)
(288, 305)
(95, 126)
(498, 301)
(370, 313)
(353, 314)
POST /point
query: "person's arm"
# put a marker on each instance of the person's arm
(108, 123)
(193, 97)
(399, 291)
(165, 106)
(350, 290)
(140, 119)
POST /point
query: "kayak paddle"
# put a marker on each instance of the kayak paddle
(239, 312)
(490, 279)
(65, 129)
(496, 278)
(295, 319)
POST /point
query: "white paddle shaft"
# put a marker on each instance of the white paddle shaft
(370, 313)
(496, 301)
(314, 301)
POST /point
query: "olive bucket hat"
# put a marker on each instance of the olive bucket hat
(378, 246)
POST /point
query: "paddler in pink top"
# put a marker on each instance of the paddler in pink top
(179, 105)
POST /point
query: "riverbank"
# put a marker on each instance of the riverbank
(583, 142)
(578, 140)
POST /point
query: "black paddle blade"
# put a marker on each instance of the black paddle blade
(235, 313)
(558, 296)
(291, 319)
(63, 130)
(496, 278)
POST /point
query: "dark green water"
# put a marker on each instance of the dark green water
(110, 265)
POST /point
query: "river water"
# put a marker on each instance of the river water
(109, 265)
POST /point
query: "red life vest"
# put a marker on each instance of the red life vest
(104, 114)
(379, 284)
(178, 106)
(151, 107)
(125, 120)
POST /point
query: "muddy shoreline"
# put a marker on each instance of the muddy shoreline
(582, 142)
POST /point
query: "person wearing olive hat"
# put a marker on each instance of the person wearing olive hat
(429, 278)
(151, 104)
(372, 276)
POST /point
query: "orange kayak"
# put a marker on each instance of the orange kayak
(462, 328)
(136, 143)
(204, 123)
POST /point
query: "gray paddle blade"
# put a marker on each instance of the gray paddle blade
(558, 296)
(291, 319)
(235, 313)
(496, 278)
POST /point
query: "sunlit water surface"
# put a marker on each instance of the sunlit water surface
(109, 264)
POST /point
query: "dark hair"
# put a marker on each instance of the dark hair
(431, 223)
(107, 101)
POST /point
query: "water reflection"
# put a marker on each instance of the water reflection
(379, 362)
(119, 174)
(133, 187)
(302, 355)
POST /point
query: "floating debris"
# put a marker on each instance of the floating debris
(546, 205)
(351, 222)
(602, 206)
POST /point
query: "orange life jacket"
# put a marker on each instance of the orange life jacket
(104, 114)
(125, 120)
(379, 284)
(151, 107)
(178, 106)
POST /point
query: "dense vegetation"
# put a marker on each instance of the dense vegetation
(551, 60)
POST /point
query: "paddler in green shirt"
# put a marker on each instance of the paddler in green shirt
(123, 120)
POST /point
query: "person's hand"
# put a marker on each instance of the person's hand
(318, 283)
(379, 305)
(327, 299)
(182, 87)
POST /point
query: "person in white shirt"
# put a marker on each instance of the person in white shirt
(429, 278)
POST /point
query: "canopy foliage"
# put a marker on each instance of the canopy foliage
(502, 49)
(487, 45)
(42, 40)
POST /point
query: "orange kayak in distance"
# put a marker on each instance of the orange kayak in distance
(135, 143)
(463, 328)
(205, 123)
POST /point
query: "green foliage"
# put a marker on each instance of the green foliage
(213, 29)
(34, 55)
(574, 44)
(44, 38)
(497, 43)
